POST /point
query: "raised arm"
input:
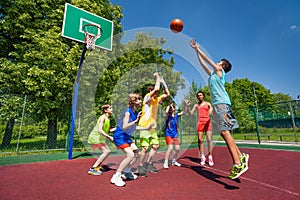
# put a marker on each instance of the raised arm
(188, 103)
(157, 84)
(166, 90)
(203, 58)
(167, 112)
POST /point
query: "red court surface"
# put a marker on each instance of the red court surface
(272, 175)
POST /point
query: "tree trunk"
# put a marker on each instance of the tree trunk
(51, 134)
(8, 133)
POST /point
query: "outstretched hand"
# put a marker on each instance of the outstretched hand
(194, 44)
(152, 125)
(138, 117)
(187, 102)
(156, 74)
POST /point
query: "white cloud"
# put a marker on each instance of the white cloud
(294, 27)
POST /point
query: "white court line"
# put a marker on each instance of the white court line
(252, 180)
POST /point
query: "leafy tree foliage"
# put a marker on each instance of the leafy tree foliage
(35, 59)
(128, 68)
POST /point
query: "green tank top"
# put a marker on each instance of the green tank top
(95, 137)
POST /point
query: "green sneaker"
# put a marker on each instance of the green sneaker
(244, 159)
(237, 170)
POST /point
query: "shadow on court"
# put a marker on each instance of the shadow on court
(202, 171)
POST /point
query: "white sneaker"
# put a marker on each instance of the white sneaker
(202, 162)
(166, 165)
(210, 161)
(175, 163)
(117, 180)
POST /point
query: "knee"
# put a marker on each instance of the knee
(136, 153)
(106, 151)
(225, 134)
(144, 149)
(130, 155)
(155, 147)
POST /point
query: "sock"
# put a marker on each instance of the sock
(238, 164)
(118, 173)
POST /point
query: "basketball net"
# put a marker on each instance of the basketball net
(90, 38)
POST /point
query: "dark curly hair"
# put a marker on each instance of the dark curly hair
(227, 65)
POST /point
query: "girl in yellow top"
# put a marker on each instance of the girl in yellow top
(97, 138)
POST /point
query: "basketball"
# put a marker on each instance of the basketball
(176, 25)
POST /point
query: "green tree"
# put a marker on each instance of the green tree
(37, 61)
(108, 77)
(281, 97)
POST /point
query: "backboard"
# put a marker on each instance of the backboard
(75, 19)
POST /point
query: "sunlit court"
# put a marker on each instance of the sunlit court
(160, 100)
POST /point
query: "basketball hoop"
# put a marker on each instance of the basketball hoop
(92, 32)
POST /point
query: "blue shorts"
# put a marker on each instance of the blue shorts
(122, 139)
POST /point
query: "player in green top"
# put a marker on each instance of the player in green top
(98, 136)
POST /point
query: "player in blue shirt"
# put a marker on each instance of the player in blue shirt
(171, 135)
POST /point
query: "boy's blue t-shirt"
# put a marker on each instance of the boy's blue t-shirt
(217, 89)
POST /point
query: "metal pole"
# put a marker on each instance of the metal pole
(74, 105)
(293, 120)
(256, 117)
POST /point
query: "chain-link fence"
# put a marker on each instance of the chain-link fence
(22, 131)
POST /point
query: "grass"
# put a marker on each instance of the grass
(37, 144)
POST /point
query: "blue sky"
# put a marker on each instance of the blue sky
(261, 38)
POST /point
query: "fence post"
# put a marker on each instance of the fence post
(293, 121)
(255, 115)
(180, 128)
(256, 124)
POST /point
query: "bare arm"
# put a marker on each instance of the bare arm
(112, 129)
(181, 113)
(204, 58)
(167, 93)
(193, 110)
(184, 111)
(157, 84)
(210, 111)
(167, 112)
(127, 124)
(188, 103)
